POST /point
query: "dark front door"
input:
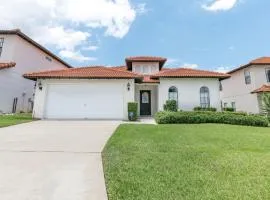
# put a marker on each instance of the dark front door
(145, 103)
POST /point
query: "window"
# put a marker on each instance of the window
(204, 97)
(1, 45)
(173, 93)
(247, 77)
(234, 106)
(268, 75)
(220, 86)
(225, 105)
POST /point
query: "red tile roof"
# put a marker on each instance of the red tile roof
(148, 79)
(160, 60)
(258, 61)
(186, 73)
(34, 43)
(146, 59)
(264, 88)
(93, 72)
(7, 65)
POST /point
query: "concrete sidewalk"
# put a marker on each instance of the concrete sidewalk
(52, 160)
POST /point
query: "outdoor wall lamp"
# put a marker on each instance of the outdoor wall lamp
(40, 85)
(128, 86)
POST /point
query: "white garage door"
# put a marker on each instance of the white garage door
(85, 101)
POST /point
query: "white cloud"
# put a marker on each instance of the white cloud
(172, 61)
(190, 66)
(219, 5)
(68, 24)
(90, 48)
(223, 69)
(75, 55)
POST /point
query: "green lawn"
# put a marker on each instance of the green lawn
(174, 162)
(9, 120)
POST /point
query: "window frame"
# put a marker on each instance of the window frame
(205, 97)
(247, 77)
(2, 40)
(175, 92)
(233, 104)
(267, 73)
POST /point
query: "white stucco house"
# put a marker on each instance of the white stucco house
(19, 54)
(100, 92)
(243, 89)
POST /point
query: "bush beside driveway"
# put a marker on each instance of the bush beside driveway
(206, 161)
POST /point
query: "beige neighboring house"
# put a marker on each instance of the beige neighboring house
(19, 54)
(243, 90)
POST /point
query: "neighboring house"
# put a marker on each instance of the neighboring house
(19, 54)
(243, 90)
(104, 92)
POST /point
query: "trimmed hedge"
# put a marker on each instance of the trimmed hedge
(228, 109)
(171, 105)
(199, 108)
(132, 111)
(210, 117)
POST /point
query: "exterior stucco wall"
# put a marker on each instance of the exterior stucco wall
(189, 92)
(28, 59)
(236, 90)
(41, 95)
(153, 67)
(154, 96)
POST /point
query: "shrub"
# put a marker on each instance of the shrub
(132, 111)
(228, 109)
(171, 105)
(198, 108)
(210, 117)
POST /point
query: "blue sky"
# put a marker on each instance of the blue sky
(187, 34)
(204, 34)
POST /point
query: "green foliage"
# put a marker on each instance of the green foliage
(266, 104)
(13, 119)
(199, 108)
(132, 111)
(228, 109)
(210, 117)
(171, 105)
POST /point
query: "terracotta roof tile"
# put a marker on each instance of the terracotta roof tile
(148, 79)
(160, 60)
(264, 88)
(146, 58)
(94, 72)
(192, 73)
(7, 65)
(258, 61)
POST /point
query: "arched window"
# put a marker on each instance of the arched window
(173, 93)
(204, 97)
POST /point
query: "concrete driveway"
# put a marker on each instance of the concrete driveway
(53, 160)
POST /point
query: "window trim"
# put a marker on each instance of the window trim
(176, 91)
(2, 40)
(247, 78)
(267, 72)
(207, 103)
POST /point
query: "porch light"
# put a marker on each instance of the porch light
(128, 86)
(40, 85)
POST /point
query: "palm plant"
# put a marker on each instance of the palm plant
(266, 104)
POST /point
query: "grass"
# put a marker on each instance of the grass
(174, 162)
(9, 120)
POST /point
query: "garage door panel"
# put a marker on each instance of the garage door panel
(80, 101)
